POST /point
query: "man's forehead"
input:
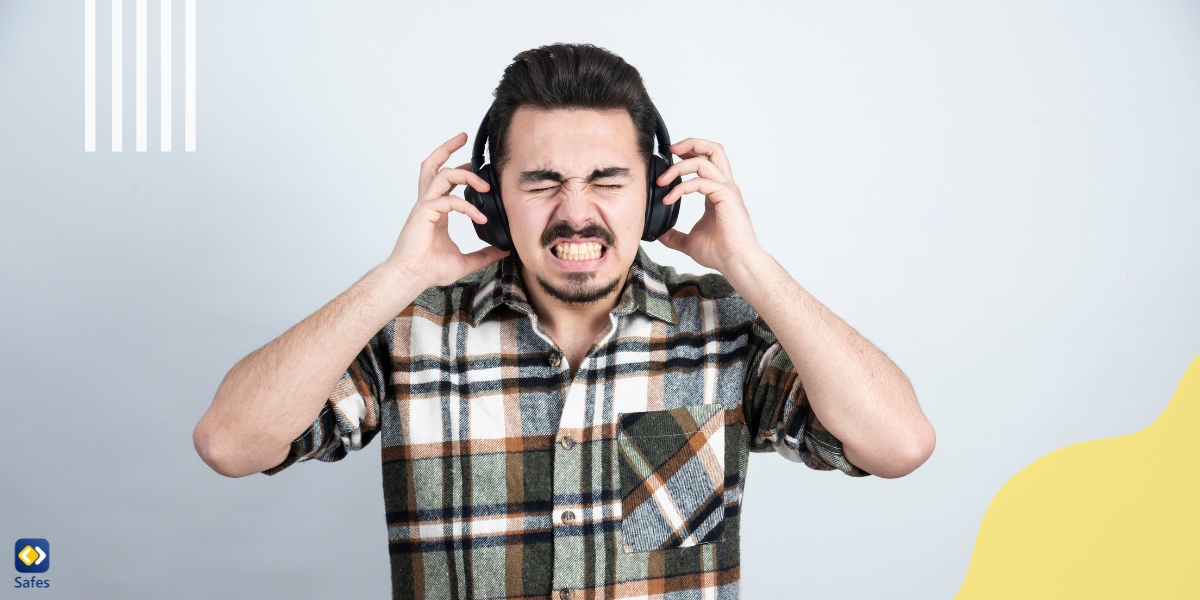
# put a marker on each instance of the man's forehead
(573, 120)
(572, 138)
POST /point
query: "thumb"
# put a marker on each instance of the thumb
(483, 257)
(674, 239)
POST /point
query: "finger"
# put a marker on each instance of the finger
(445, 180)
(674, 239)
(465, 167)
(716, 192)
(484, 257)
(430, 166)
(693, 147)
(699, 165)
(437, 207)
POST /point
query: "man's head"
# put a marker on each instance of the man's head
(571, 132)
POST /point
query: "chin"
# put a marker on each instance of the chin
(579, 288)
(579, 270)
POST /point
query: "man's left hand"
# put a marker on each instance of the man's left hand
(854, 389)
(723, 236)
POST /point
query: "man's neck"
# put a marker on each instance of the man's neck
(562, 320)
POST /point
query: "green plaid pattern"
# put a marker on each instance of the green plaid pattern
(506, 477)
(672, 477)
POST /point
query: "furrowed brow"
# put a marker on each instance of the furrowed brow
(609, 173)
(528, 177)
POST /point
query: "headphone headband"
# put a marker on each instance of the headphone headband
(664, 138)
(480, 139)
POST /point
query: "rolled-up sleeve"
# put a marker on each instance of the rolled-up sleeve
(349, 420)
(777, 410)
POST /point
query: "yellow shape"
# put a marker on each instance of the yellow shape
(1110, 518)
(27, 555)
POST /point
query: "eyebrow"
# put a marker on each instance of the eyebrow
(540, 175)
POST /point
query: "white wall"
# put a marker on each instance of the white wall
(1003, 197)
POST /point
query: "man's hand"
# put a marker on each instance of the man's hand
(424, 250)
(271, 396)
(723, 237)
(856, 391)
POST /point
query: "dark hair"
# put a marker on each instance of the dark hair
(569, 76)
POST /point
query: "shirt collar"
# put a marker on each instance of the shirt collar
(644, 290)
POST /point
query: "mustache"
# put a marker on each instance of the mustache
(563, 229)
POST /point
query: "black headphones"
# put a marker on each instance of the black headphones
(659, 217)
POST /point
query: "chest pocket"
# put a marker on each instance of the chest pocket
(672, 477)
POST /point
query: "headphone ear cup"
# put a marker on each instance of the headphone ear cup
(659, 217)
(495, 231)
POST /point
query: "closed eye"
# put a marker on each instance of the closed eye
(615, 186)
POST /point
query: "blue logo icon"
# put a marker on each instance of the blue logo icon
(32, 555)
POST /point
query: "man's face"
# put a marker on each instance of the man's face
(574, 189)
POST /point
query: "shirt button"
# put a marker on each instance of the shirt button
(555, 360)
(567, 442)
(566, 594)
(569, 518)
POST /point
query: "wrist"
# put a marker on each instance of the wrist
(398, 274)
(746, 270)
(395, 285)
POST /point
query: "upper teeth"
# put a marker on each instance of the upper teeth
(584, 251)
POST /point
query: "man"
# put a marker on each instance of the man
(569, 420)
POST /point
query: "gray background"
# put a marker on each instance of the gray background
(1004, 197)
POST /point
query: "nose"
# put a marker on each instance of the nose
(575, 185)
(575, 203)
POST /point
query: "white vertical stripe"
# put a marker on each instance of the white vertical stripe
(89, 75)
(708, 309)
(164, 76)
(141, 75)
(668, 509)
(118, 61)
(189, 76)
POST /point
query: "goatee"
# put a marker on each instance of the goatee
(578, 291)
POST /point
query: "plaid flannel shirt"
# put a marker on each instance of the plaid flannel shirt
(506, 477)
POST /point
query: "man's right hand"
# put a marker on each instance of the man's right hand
(271, 396)
(424, 250)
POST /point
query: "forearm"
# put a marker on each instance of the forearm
(272, 395)
(856, 391)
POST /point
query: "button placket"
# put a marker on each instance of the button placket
(569, 552)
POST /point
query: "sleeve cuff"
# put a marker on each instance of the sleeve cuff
(300, 446)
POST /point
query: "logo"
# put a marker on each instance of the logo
(143, 37)
(32, 555)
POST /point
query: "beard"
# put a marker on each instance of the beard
(581, 288)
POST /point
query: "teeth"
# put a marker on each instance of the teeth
(584, 251)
